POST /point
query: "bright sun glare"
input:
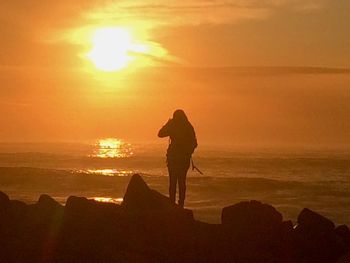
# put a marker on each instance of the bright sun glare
(114, 48)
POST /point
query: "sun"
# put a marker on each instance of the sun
(114, 48)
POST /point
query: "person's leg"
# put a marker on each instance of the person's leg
(182, 188)
(182, 182)
(172, 183)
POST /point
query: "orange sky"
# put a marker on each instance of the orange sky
(219, 60)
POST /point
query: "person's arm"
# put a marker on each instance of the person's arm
(165, 130)
(195, 143)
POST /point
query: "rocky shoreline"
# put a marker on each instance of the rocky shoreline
(147, 228)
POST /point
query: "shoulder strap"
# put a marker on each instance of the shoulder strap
(195, 167)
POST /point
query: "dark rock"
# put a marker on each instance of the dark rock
(32, 230)
(159, 227)
(249, 215)
(5, 217)
(207, 243)
(3, 198)
(18, 210)
(288, 226)
(47, 202)
(77, 205)
(91, 231)
(311, 221)
(148, 228)
(83, 209)
(139, 196)
(344, 233)
(6, 235)
(44, 212)
(288, 250)
(316, 238)
(252, 232)
(4, 203)
(154, 235)
(344, 258)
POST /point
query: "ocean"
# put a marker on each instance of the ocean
(287, 179)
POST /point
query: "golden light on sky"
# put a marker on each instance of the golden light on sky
(245, 71)
(114, 48)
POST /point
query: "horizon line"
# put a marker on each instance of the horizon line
(236, 69)
(269, 69)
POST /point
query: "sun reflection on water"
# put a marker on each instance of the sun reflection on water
(108, 199)
(112, 148)
(108, 172)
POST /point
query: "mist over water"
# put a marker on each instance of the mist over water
(289, 180)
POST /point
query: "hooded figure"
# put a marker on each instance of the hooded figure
(182, 144)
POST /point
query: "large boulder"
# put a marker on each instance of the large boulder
(90, 211)
(344, 258)
(252, 232)
(91, 231)
(311, 221)
(18, 211)
(146, 225)
(251, 216)
(4, 203)
(139, 196)
(207, 242)
(78, 205)
(33, 229)
(4, 212)
(44, 212)
(43, 223)
(46, 202)
(5, 228)
(343, 232)
(316, 238)
(3, 198)
(158, 226)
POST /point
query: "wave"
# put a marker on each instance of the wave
(206, 195)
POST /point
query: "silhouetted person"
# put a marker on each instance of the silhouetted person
(182, 144)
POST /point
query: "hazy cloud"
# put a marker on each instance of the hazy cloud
(195, 12)
(283, 30)
(36, 18)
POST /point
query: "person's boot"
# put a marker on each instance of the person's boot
(172, 196)
(182, 203)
